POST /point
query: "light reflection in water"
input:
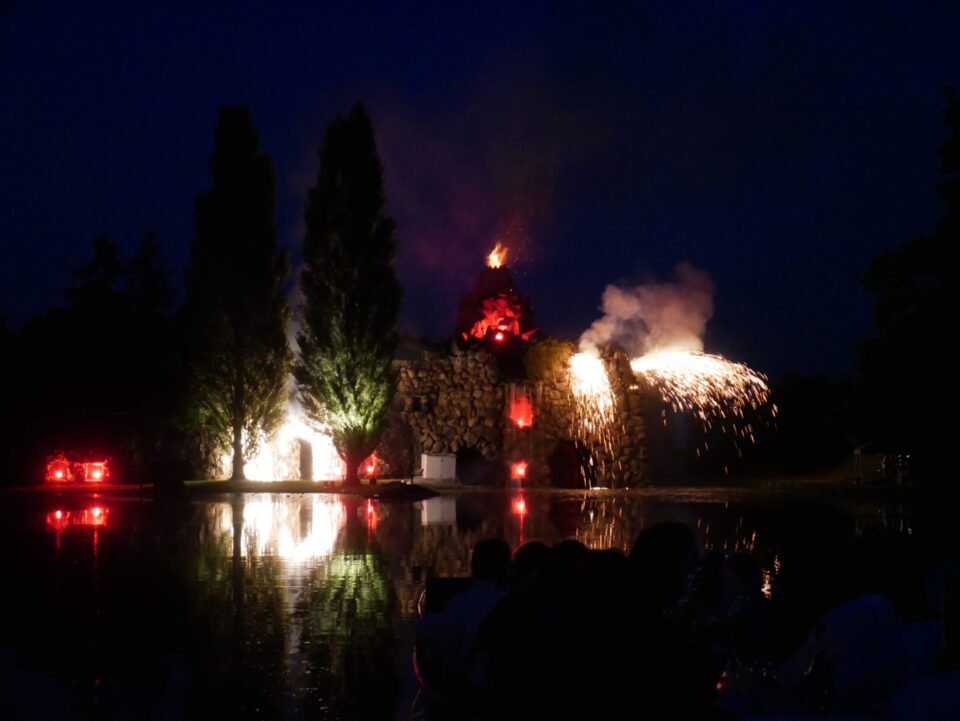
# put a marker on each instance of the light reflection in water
(59, 520)
(294, 528)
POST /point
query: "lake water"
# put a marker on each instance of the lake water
(301, 605)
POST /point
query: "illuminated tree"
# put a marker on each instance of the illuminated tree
(236, 312)
(351, 295)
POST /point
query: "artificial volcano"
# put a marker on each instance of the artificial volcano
(494, 310)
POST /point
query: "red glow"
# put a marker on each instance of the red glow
(521, 412)
(58, 469)
(59, 520)
(372, 519)
(371, 464)
(92, 517)
(518, 470)
(94, 471)
(520, 507)
(501, 315)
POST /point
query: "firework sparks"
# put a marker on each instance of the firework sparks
(497, 256)
(591, 386)
(714, 389)
(593, 404)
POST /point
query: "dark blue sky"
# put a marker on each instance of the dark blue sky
(776, 145)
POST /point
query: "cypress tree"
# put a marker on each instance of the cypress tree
(236, 310)
(351, 295)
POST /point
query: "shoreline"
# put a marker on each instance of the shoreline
(400, 489)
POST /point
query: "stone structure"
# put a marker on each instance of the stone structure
(460, 404)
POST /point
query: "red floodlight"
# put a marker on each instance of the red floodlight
(518, 470)
(94, 471)
(58, 470)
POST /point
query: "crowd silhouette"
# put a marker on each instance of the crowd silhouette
(671, 631)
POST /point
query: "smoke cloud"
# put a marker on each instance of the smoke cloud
(671, 315)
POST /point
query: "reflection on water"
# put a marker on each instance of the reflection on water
(60, 520)
(301, 605)
(295, 528)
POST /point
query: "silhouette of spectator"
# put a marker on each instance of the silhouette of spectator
(452, 633)
(856, 646)
(662, 561)
(747, 619)
(505, 658)
(672, 678)
(935, 696)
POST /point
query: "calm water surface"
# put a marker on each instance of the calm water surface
(298, 605)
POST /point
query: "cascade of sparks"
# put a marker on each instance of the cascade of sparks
(594, 408)
(497, 256)
(712, 388)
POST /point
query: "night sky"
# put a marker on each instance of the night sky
(778, 146)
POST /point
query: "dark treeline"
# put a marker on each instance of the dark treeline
(118, 370)
(100, 373)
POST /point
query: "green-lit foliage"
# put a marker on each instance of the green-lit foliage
(547, 358)
(236, 312)
(350, 612)
(351, 295)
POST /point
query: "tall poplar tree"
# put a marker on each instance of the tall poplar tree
(236, 311)
(351, 295)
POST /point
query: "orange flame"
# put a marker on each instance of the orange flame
(498, 256)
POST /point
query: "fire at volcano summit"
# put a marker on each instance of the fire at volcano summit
(494, 310)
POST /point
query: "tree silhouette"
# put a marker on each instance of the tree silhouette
(351, 295)
(904, 373)
(236, 311)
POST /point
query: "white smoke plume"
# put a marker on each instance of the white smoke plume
(656, 316)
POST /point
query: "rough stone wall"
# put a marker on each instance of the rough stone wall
(452, 403)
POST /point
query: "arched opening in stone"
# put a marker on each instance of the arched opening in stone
(473, 469)
(565, 466)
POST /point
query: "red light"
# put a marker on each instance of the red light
(95, 470)
(518, 470)
(59, 514)
(520, 507)
(521, 411)
(58, 469)
(498, 336)
(97, 512)
(369, 507)
(370, 463)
